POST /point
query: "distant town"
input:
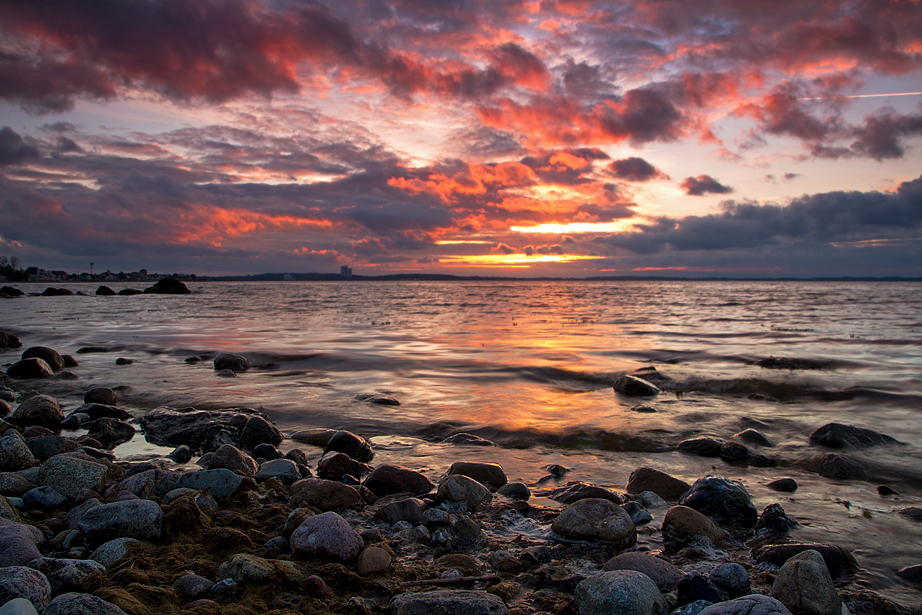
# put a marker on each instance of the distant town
(10, 271)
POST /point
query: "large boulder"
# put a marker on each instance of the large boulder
(168, 286)
(805, 586)
(30, 369)
(723, 500)
(347, 442)
(647, 479)
(327, 535)
(233, 362)
(632, 386)
(445, 601)
(70, 473)
(323, 494)
(50, 356)
(194, 428)
(691, 527)
(14, 453)
(663, 573)
(18, 544)
(489, 474)
(23, 582)
(141, 519)
(625, 592)
(42, 410)
(596, 519)
(837, 435)
(387, 479)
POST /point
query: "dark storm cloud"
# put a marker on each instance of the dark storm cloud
(635, 170)
(884, 132)
(704, 184)
(13, 150)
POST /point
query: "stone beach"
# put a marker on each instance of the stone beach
(236, 520)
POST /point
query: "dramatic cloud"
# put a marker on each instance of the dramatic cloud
(12, 148)
(635, 170)
(704, 184)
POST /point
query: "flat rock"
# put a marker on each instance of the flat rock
(444, 601)
(38, 410)
(663, 573)
(723, 500)
(596, 519)
(692, 527)
(805, 586)
(753, 604)
(141, 519)
(662, 484)
(574, 492)
(460, 488)
(14, 453)
(327, 534)
(221, 483)
(323, 494)
(389, 478)
(80, 575)
(24, 582)
(194, 428)
(625, 592)
(71, 473)
(18, 544)
(632, 386)
(81, 604)
(838, 435)
(838, 560)
(489, 474)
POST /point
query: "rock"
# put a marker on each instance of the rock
(14, 453)
(29, 369)
(625, 592)
(233, 362)
(753, 604)
(105, 291)
(488, 474)
(516, 491)
(725, 501)
(14, 485)
(46, 447)
(327, 534)
(644, 409)
(221, 483)
(112, 552)
(284, 470)
(460, 488)
(95, 410)
(56, 292)
(43, 498)
(259, 430)
(246, 569)
(692, 527)
(8, 340)
(77, 511)
(444, 601)
(663, 573)
(337, 465)
(805, 586)
(466, 532)
(638, 514)
(191, 586)
(5, 408)
(695, 587)
(18, 544)
(23, 582)
(349, 443)
(786, 485)
(774, 522)
(168, 286)
(753, 436)
(596, 519)
(732, 578)
(130, 292)
(181, 454)
(50, 356)
(885, 490)
(692, 608)
(702, 446)
(81, 604)
(840, 467)
(913, 513)
(647, 479)
(574, 492)
(141, 519)
(266, 452)
(110, 432)
(232, 458)
(149, 483)
(124, 361)
(410, 510)
(323, 494)
(387, 479)
(317, 437)
(70, 574)
(7, 510)
(38, 410)
(70, 473)
(633, 386)
(101, 395)
(838, 560)
(18, 606)
(913, 574)
(373, 560)
(649, 500)
(837, 435)
(734, 452)
(378, 398)
(194, 428)
(467, 438)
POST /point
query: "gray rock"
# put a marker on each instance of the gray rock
(323, 494)
(14, 453)
(18, 606)
(80, 575)
(753, 604)
(233, 362)
(625, 592)
(46, 447)
(233, 459)
(71, 473)
(43, 498)
(23, 582)
(77, 511)
(840, 467)
(838, 561)
(649, 499)
(732, 578)
(753, 436)
(192, 586)
(596, 519)
(460, 488)
(336, 465)
(100, 395)
(663, 573)
(445, 601)
(9, 508)
(466, 532)
(805, 586)
(693, 608)
(110, 432)
(488, 474)
(702, 446)
(516, 491)
(29, 369)
(632, 386)
(573, 492)
(181, 454)
(141, 519)
(410, 510)
(221, 483)
(284, 470)
(837, 435)
(327, 534)
(14, 484)
(723, 500)
(388, 478)
(194, 428)
(116, 550)
(40, 410)
(785, 485)
(639, 515)
(691, 527)
(259, 430)
(99, 410)
(81, 604)
(467, 438)
(648, 479)
(149, 483)
(18, 544)
(913, 574)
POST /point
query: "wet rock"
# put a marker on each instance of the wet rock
(633, 386)
(18, 606)
(516, 491)
(805, 586)
(50, 356)
(221, 483)
(231, 458)
(410, 510)
(648, 479)
(105, 291)
(460, 488)
(14, 453)
(23, 582)
(233, 362)
(8, 340)
(837, 435)
(335, 466)
(317, 437)
(913, 574)
(14, 485)
(110, 432)
(753, 604)
(327, 534)
(786, 485)
(191, 587)
(70, 473)
(885, 490)
(596, 519)
(195, 428)
(488, 474)
(38, 410)
(649, 500)
(81, 604)
(504, 561)
(840, 467)
(181, 454)
(626, 592)
(691, 527)
(387, 479)
(734, 452)
(43, 498)
(350, 444)
(56, 292)
(913, 513)
(702, 446)
(774, 522)
(18, 544)
(838, 560)
(753, 436)
(639, 515)
(284, 470)
(70, 574)
(324, 494)
(732, 578)
(97, 410)
(454, 601)
(29, 369)
(112, 552)
(46, 447)
(378, 398)
(663, 573)
(469, 439)
(141, 519)
(644, 409)
(373, 560)
(695, 587)
(574, 492)
(259, 430)
(725, 501)
(149, 483)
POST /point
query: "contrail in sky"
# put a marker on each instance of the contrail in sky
(864, 95)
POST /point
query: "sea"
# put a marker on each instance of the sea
(529, 366)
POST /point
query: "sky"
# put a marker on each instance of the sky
(570, 138)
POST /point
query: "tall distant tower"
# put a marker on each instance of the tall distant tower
(345, 272)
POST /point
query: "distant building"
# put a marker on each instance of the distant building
(345, 272)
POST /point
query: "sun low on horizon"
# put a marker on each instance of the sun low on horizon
(519, 138)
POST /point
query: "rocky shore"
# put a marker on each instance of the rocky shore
(229, 523)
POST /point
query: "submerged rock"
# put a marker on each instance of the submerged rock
(633, 386)
(837, 435)
(702, 446)
(840, 467)
(378, 398)
(233, 362)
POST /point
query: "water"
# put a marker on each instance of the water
(529, 365)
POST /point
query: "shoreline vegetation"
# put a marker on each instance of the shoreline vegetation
(233, 520)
